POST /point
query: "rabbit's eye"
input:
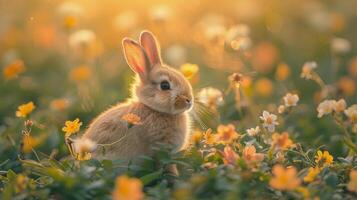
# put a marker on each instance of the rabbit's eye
(164, 85)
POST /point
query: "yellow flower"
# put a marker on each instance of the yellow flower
(127, 188)
(210, 138)
(80, 73)
(71, 127)
(284, 178)
(323, 159)
(13, 69)
(352, 185)
(226, 134)
(21, 182)
(311, 175)
(196, 137)
(25, 109)
(69, 21)
(250, 155)
(59, 104)
(229, 156)
(282, 72)
(131, 118)
(189, 70)
(83, 148)
(281, 141)
(304, 192)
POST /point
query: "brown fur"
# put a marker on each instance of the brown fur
(163, 113)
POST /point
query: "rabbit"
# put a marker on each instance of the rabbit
(161, 96)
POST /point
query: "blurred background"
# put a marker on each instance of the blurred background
(66, 57)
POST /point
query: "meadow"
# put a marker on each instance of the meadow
(275, 111)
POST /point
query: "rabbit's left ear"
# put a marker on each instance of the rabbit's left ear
(151, 46)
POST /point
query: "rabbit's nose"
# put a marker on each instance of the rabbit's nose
(188, 102)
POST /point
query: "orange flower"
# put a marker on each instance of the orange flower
(281, 141)
(323, 159)
(25, 109)
(229, 156)
(80, 73)
(282, 72)
(131, 118)
(59, 104)
(250, 155)
(226, 134)
(13, 69)
(29, 143)
(127, 188)
(352, 68)
(264, 56)
(284, 178)
(264, 87)
(352, 184)
(347, 85)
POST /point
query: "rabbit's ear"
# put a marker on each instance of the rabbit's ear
(151, 46)
(136, 57)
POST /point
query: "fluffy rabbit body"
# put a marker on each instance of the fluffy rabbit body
(161, 97)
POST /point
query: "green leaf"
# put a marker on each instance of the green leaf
(151, 177)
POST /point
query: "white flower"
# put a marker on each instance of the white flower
(269, 121)
(351, 113)
(69, 8)
(340, 45)
(339, 106)
(325, 107)
(253, 131)
(126, 20)
(307, 70)
(176, 54)
(161, 13)
(82, 38)
(211, 97)
(281, 109)
(291, 99)
(84, 145)
(238, 37)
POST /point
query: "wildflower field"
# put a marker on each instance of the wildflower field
(275, 102)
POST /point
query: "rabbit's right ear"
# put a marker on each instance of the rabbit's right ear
(136, 57)
(151, 46)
